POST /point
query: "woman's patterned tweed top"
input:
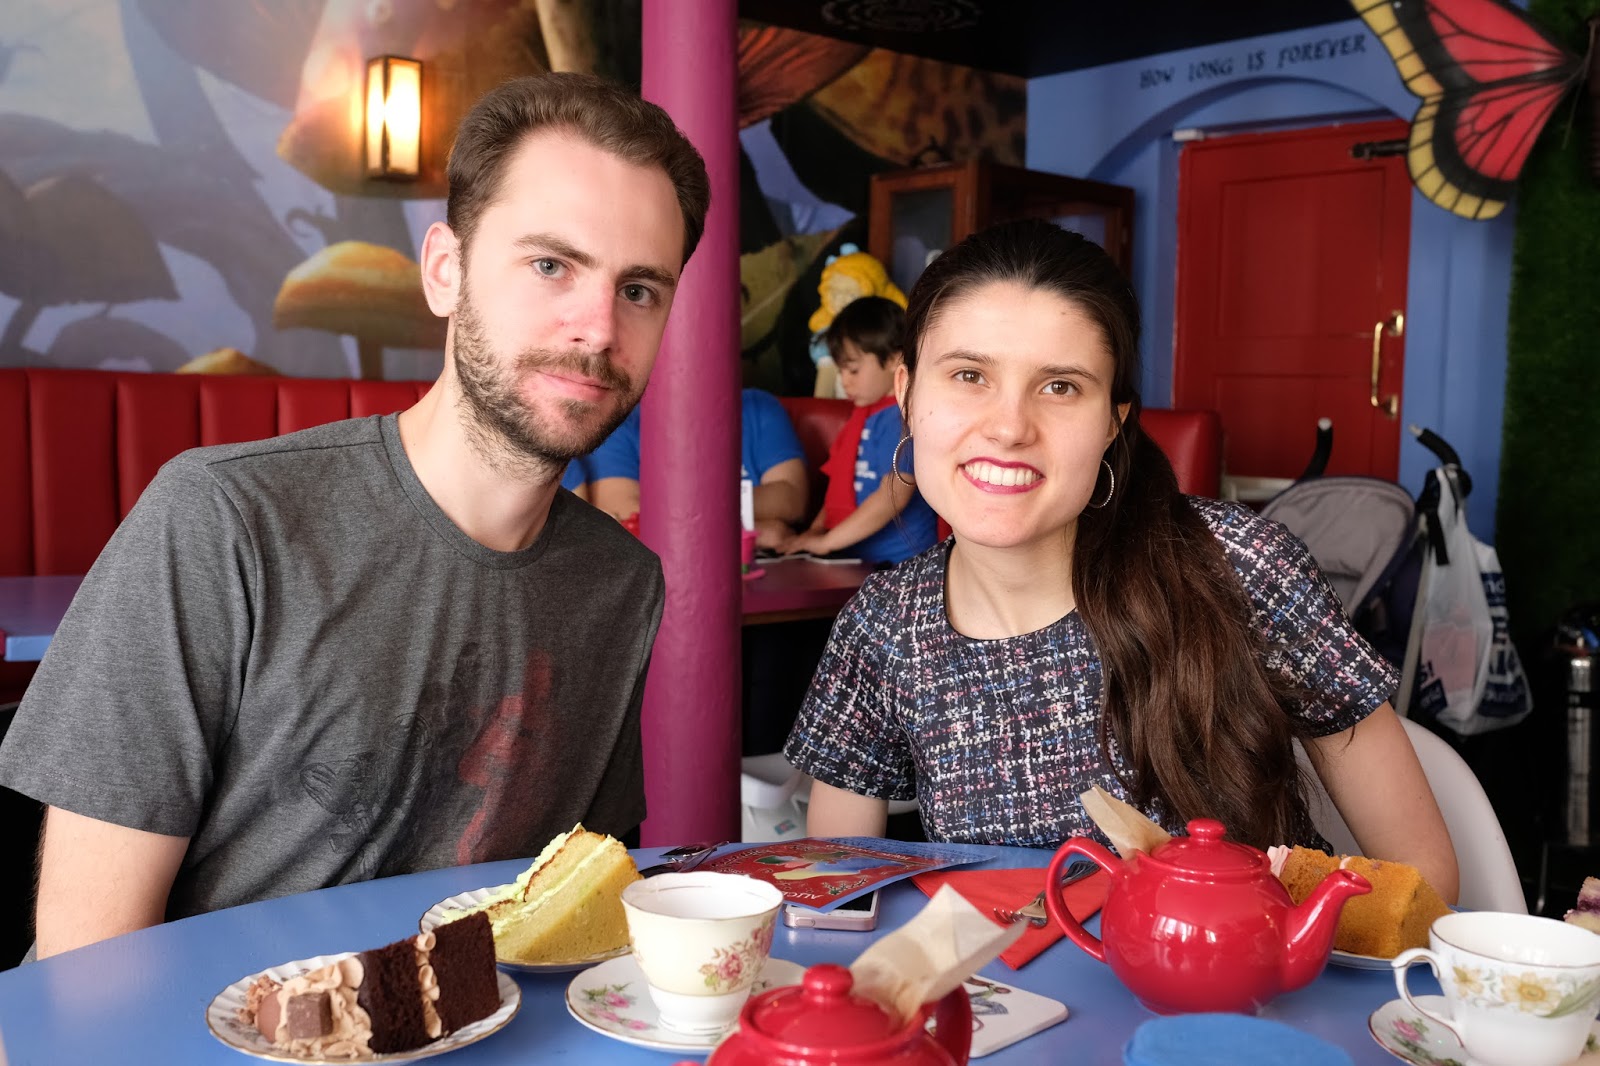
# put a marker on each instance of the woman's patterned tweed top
(996, 738)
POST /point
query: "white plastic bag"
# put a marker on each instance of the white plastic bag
(1461, 666)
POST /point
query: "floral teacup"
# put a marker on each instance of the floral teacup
(1521, 990)
(701, 940)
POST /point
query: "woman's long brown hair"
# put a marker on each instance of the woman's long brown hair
(1198, 721)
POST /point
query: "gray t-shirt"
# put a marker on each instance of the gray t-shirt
(288, 653)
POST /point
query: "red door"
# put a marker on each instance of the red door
(1292, 257)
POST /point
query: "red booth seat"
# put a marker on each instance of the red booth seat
(1192, 441)
(77, 447)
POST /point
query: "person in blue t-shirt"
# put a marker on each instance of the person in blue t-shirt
(912, 531)
(770, 457)
(575, 478)
(869, 512)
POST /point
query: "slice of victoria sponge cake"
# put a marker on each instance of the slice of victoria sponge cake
(1393, 917)
(568, 904)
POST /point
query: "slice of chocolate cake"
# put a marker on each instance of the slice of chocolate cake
(391, 994)
(463, 962)
(395, 998)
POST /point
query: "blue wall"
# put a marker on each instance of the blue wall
(1115, 123)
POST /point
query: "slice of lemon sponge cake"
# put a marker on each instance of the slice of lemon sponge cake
(1393, 917)
(568, 904)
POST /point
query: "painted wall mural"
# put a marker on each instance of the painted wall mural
(181, 187)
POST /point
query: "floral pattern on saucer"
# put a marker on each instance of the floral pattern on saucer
(1408, 1036)
(613, 1000)
(608, 1004)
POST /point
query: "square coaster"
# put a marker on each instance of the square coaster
(1002, 1014)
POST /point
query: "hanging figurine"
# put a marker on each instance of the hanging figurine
(847, 276)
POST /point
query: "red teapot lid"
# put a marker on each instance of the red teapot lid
(1204, 851)
(820, 1011)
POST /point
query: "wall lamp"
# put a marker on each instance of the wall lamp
(394, 118)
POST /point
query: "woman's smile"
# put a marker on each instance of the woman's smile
(1001, 478)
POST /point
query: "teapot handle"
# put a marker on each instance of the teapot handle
(1053, 902)
(953, 1025)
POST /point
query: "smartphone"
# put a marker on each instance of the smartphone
(858, 913)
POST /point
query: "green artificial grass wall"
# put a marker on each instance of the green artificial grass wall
(1549, 506)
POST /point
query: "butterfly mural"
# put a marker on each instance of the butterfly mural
(1489, 80)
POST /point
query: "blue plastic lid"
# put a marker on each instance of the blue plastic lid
(1227, 1040)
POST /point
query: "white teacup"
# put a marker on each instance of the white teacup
(1522, 990)
(701, 940)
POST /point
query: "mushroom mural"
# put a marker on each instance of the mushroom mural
(224, 361)
(366, 291)
(68, 240)
(184, 204)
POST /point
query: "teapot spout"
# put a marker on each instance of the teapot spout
(1312, 925)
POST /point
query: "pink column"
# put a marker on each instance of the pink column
(689, 450)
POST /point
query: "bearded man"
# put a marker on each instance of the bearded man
(388, 644)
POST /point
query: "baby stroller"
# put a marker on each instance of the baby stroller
(1385, 554)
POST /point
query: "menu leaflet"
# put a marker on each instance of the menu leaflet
(823, 872)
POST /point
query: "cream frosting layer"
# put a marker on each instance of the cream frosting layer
(499, 922)
(517, 890)
(351, 1032)
(424, 944)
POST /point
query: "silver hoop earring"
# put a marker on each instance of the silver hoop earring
(1111, 489)
(894, 463)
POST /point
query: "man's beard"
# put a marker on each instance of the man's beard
(503, 423)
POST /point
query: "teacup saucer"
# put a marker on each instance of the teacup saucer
(612, 999)
(1408, 1036)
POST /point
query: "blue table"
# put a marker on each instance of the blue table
(141, 998)
(30, 610)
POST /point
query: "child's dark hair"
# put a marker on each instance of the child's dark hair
(874, 325)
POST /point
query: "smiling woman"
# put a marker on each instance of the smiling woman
(1089, 624)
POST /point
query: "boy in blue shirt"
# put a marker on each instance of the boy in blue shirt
(866, 512)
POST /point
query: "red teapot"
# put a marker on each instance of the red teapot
(1201, 924)
(820, 1023)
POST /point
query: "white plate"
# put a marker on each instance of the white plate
(222, 1018)
(612, 1000)
(1408, 1036)
(1359, 962)
(434, 916)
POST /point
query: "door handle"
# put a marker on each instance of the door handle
(1395, 325)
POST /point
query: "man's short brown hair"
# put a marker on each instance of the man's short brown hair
(603, 113)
